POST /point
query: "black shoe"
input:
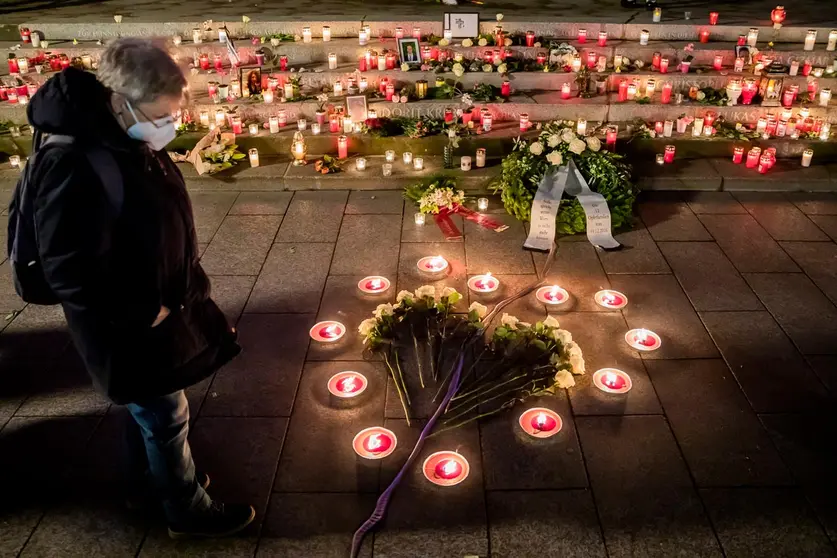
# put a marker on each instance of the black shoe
(218, 520)
(139, 497)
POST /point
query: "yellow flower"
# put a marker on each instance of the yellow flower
(245, 19)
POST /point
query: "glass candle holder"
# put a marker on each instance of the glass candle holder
(387, 169)
(482, 204)
(253, 153)
(360, 163)
(407, 157)
(418, 163)
(419, 218)
(465, 163)
(389, 155)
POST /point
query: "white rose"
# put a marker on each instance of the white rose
(562, 336)
(536, 148)
(428, 291)
(564, 380)
(555, 158)
(467, 42)
(537, 44)
(366, 326)
(404, 295)
(573, 350)
(553, 140)
(524, 324)
(405, 67)
(458, 69)
(487, 68)
(508, 42)
(502, 68)
(482, 42)
(447, 291)
(577, 362)
(479, 309)
(567, 135)
(383, 310)
(593, 143)
(509, 321)
(577, 146)
(444, 42)
(550, 321)
(499, 17)
(639, 64)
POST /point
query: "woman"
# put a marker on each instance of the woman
(135, 297)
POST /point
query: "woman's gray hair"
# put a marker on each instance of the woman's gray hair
(140, 70)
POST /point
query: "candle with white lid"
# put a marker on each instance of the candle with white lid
(810, 39)
(643, 37)
(807, 155)
(832, 40)
(306, 35)
(326, 33)
(254, 157)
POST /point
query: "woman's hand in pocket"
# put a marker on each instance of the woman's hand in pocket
(162, 315)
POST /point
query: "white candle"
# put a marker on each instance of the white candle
(14, 161)
(448, 35)
(22, 100)
(36, 39)
(825, 132)
(302, 124)
(581, 127)
(407, 157)
(697, 127)
(480, 157)
(832, 40)
(389, 155)
(315, 128)
(197, 36)
(643, 37)
(825, 97)
(360, 163)
(348, 126)
(387, 169)
(810, 39)
(267, 94)
(326, 33)
(418, 163)
(657, 15)
(220, 117)
(752, 36)
(274, 124)
(338, 88)
(204, 118)
(363, 85)
(176, 40)
(482, 204)
(254, 157)
(465, 163)
(576, 65)
(254, 129)
(418, 218)
(332, 61)
(235, 88)
(382, 63)
(222, 36)
(668, 128)
(23, 63)
(794, 67)
(306, 34)
(363, 37)
(807, 155)
(650, 87)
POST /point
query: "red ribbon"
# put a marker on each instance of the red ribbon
(480, 219)
(446, 225)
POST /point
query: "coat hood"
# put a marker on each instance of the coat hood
(75, 103)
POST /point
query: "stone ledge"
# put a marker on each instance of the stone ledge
(787, 176)
(683, 174)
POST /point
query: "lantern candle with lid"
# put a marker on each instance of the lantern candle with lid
(480, 157)
(327, 331)
(643, 37)
(602, 38)
(306, 35)
(505, 89)
(753, 157)
(657, 15)
(832, 40)
(810, 39)
(236, 125)
(253, 154)
(530, 39)
(417, 33)
(737, 155)
(582, 36)
(610, 137)
(592, 58)
(342, 147)
(807, 155)
(713, 18)
(752, 37)
(825, 97)
(643, 339)
(664, 65)
(524, 121)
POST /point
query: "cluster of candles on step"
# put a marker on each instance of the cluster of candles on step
(448, 468)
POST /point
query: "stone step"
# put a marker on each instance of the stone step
(677, 30)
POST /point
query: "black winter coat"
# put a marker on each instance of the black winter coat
(112, 273)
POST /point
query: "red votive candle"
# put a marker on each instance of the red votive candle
(737, 155)
(668, 157)
(530, 39)
(666, 93)
(713, 18)
(704, 36)
(582, 36)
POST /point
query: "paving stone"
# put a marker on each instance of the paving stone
(90, 529)
(410, 278)
(577, 269)
(417, 525)
(600, 337)
(765, 522)
(545, 523)
(682, 174)
(828, 224)
(658, 303)
(516, 230)
(330, 464)
(720, 437)
(292, 278)
(313, 217)
(318, 525)
(365, 202)
(38, 333)
(497, 256)
(779, 216)
(516, 461)
(671, 220)
(196, 394)
(826, 368)
(638, 255)
(159, 544)
(718, 203)
(526, 308)
(807, 316)
(342, 301)
(241, 244)
(9, 301)
(231, 292)
(819, 261)
(202, 246)
(814, 203)
(262, 380)
(643, 492)
(367, 245)
(261, 203)
(720, 289)
(240, 455)
(210, 208)
(16, 527)
(429, 231)
(747, 244)
(768, 367)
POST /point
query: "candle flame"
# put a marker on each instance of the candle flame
(610, 379)
(541, 419)
(449, 467)
(642, 335)
(332, 330)
(609, 298)
(349, 384)
(374, 441)
(377, 283)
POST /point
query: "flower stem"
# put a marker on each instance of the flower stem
(401, 376)
(464, 422)
(397, 388)
(478, 403)
(418, 355)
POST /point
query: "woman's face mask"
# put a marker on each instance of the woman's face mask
(156, 133)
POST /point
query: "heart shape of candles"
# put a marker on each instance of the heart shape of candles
(552, 294)
(446, 468)
(643, 340)
(327, 332)
(540, 422)
(432, 264)
(611, 299)
(612, 380)
(347, 384)
(373, 284)
(483, 283)
(374, 443)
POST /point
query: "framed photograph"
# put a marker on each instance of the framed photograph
(409, 50)
(462, 26)
(356, 107)
(251, 80)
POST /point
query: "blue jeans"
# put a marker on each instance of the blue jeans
(161, 425)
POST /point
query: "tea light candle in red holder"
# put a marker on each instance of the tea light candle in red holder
(327, 332)
(737, 155)
(643, 340)
(483, 283)
(602, 38)
(713, 18)
(582, 36)
(552, 294)
(566, 91)
(541, 58)
(530, 39)
(374, 443)
(540, 422)
(669, 154)
(374, 284)
(610, 299)
(432, 264)
(718, 63)
(704, 36)
(592, 58)
(446, 468)
(612, 380)
(347, 384)
(663, 65)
